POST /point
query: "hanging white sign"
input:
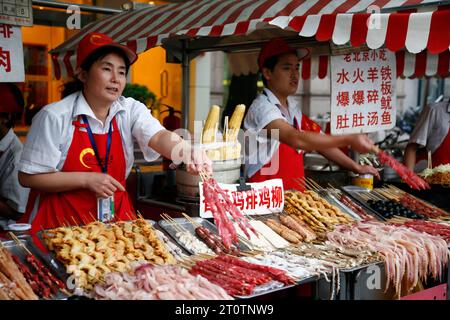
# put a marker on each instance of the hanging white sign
(16, 12)
(363, 95)
(11, 54)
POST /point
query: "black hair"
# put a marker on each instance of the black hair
(76, 85)
(18, 96)
(270, 64)
(11, 117)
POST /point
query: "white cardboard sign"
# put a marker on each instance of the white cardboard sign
(363, 91)
(263, 198)
(11, 54)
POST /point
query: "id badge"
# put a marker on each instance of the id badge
(105, 209)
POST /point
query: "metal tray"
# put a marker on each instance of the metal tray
(156, 226)
(168, 227)
(355, 192)
(335, 201)
(55, 264)
(267, 288)
(15, 249)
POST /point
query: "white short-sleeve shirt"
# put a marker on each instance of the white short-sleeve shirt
(263, 110)
(15, 195)
(432, 126)
(51, 133)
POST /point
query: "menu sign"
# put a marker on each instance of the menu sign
(363, 95)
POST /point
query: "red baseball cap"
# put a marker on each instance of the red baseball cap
(276, 47)
(12, 99)
(95, 40)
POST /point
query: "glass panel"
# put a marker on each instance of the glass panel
(36, 96)
(35, 57)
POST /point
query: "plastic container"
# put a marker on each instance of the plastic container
(364, 181)
(19, 228)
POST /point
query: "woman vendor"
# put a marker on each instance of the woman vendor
(79, 151)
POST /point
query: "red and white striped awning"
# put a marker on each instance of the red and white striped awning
(408, 65)
(414, 25)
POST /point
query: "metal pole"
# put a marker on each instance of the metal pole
(185, 86)
(83, 7)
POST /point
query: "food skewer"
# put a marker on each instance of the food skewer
(314, 183)
(210, 238)
(92, 216)
(408, 176)
(173, 223)
(53, 283)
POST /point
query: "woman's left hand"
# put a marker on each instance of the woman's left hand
(198, 161)
(367, 169)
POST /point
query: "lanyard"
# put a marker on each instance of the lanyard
(94, 145)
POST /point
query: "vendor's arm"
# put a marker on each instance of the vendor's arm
(339, 157)
(172, 146)
(410, 155)
(103, 185)
(311, 141)
(422, 132)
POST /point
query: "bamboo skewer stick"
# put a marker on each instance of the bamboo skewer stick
(166, 218)
(60, 222)
(140, 215)
(301, 183)
(192, 221)
(318, 186)
(92, 216)
(225, 130)
(74, 221)
(175, 224)
(20, 243)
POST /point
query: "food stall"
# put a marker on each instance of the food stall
(346, 243)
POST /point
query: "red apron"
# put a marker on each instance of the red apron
(290, 166)
(442, 154)
(56, 208)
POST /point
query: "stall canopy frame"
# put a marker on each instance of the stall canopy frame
(189, 28)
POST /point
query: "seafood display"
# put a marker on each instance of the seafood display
(409, 256)
(312, 240)
(191, 243)
(89, 252)
(433, 228)
(148, 282)
(174, 250)
(337, 257)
